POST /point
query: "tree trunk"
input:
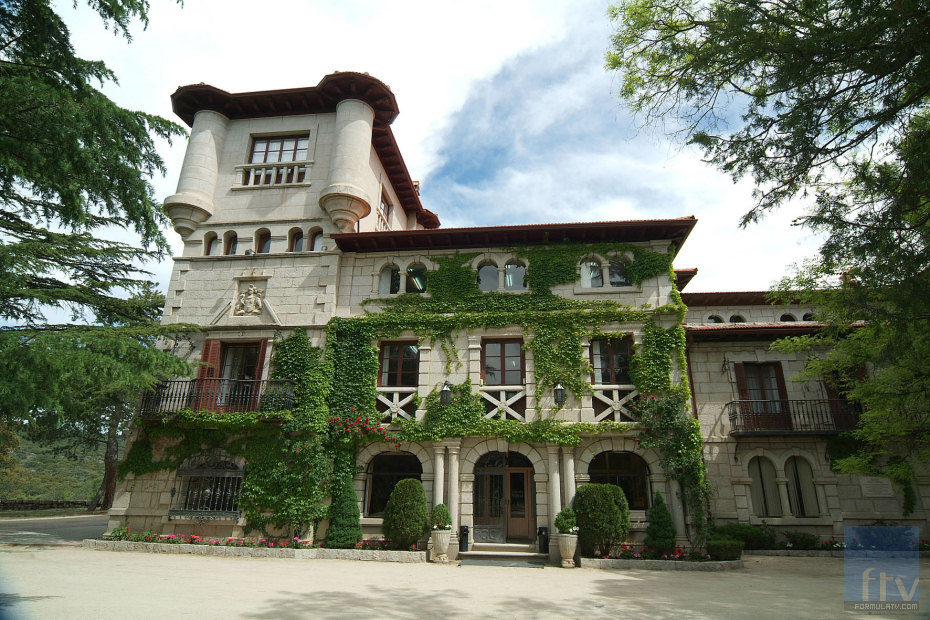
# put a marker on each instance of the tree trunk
(107, 490)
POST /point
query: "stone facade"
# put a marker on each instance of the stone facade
(352, 180)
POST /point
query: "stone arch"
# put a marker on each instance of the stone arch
(364, 456)
(618, 444)
(388, 263)
(496, 444)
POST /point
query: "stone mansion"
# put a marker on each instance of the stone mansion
(297, 210)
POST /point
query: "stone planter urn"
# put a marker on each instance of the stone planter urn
(567, 545)
(441, 545)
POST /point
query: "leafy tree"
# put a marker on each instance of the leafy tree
(75, 168)
(829, 98)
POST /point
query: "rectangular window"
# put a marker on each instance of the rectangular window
(384, 213)
(762, 389)
(400, 364)
(276, 160)
(502, 362)
(610, 359)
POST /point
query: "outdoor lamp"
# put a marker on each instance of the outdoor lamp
(445, 394)
(559, 391)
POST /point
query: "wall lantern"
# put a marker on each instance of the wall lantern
(559, 391)
(445, 394)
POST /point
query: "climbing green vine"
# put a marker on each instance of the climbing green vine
(297, 458)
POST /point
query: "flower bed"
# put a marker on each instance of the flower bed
(630, 552)
(125, 534)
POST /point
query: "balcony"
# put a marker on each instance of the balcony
(791, 417)
(282, 174)
(220, 395)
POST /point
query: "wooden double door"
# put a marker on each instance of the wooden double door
(504, 499)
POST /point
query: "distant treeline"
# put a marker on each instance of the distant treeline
(40, 473)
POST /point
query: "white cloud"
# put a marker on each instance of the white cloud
(506, 111)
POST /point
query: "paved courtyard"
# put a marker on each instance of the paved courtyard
(69, 582)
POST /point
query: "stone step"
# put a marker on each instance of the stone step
(503, 555)
(505, 547)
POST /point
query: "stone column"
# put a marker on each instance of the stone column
(439, 474)
(344, 198)
(555, 502)
(192, 204)
(454, 487)
(568, 465)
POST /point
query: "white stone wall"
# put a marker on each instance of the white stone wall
(700, 315)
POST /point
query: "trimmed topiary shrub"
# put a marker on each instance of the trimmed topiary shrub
(802, 540)
(440, 518)
(603, 518)
(566, 521)
(406, 517)
(661, 533)
(725, 548)
(753, 536)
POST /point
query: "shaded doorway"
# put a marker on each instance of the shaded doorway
(504, 498)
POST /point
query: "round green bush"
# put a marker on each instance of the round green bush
(440, 518)
(406, 516)
(725, 548)
(566, 521)
(603, 518)
(661, 533)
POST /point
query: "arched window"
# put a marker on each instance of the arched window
(617, 271)
(715, 318)
(416, 278)
(626, 470)
(801, 493)
(316, 241)
(737, 318)
(787, 318)
(808, 316)
(487, 277)
(592, 275)
(514, 276)
(384, 472)
(230, 243)
(210, 244)
(262, 241)
(210, 486)
(766, 502)
(389, 280)
(295, 240)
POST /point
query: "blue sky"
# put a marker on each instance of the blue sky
(507, 113)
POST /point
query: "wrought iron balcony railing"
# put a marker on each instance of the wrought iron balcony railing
(792, 417)
(218, 395)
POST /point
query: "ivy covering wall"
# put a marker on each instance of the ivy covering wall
(296, 459)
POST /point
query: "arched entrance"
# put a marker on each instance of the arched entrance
(504, 498)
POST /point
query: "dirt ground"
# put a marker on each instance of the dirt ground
(69, 582)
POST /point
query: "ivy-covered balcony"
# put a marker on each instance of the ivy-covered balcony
(218, 395)
(792, 417)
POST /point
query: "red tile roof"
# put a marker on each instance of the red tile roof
(674, 230)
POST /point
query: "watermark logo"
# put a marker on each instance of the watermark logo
(881, 569)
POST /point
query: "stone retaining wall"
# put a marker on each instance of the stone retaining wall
(41, 504)
(659, 564)
(257, 552)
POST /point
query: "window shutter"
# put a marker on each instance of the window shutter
(780, 381)
(739, 369)
(211, 360)
(260, 361)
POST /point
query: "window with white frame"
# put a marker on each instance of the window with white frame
(275, 161)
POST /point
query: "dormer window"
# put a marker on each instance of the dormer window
(272, 161)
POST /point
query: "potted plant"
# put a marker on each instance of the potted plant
(567, 525)
(441, 524)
